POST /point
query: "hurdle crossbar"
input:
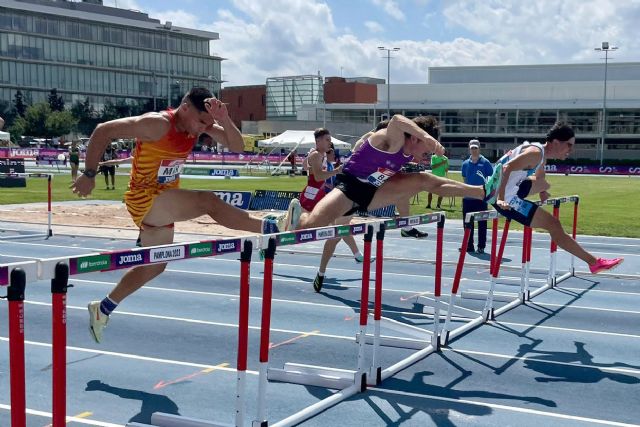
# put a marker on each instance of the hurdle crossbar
(54, 268)
(49, 231)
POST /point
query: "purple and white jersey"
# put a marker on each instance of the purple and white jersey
(374, 166)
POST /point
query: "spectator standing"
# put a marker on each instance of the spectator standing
(439, 167)
(475, 170)
(109, 169)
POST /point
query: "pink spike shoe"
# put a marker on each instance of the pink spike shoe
(603, 264)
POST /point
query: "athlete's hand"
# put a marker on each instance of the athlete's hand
(544, 195)
(503, 205)
(216, 108)
(83, 185)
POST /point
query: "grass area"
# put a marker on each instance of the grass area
(607, 205)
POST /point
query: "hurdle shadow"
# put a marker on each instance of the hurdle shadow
(151, 402)
(390, 311)
(585, 369)
(438, 402)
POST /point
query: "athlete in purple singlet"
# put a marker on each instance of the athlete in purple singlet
(371, 178)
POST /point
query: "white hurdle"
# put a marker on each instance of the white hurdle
(348, 382)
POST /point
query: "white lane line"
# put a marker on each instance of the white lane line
(134, 357)
(565, 330)
(200, 322)
(503, 407)
(551, 362)
(295, 332)
(600, 291)
(581, 307)
(68, 419)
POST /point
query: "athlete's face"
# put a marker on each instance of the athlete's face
(416, 148)
(197, 121)
(323, 143)
(562, 149)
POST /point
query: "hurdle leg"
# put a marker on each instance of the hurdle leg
(488, 308)
(59, 285)
(265, 329)
(468, 225)
(15, 297)
(376, 369)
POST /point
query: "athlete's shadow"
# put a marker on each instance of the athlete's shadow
(397, 401)
(327, 280)
(585, 370)
(151, 402)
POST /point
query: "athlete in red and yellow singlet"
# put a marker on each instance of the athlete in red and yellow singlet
(156, 167)
(164, 141)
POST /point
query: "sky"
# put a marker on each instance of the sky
(273, 38)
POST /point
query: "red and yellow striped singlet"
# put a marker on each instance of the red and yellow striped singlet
(156, 167)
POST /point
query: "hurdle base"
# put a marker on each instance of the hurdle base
(562, 278)
(398, 342)
(412, 331)
(497, 296)
(318, 376)
(160, 419)
(456, 311)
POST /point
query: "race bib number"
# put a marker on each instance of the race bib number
(380, 176)
(519, 205)
(169, 171)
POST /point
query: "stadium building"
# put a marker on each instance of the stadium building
(87, 50)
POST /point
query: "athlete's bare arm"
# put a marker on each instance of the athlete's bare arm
(224, 130)
(399, 125)
(147, 127)
(527, 159)
(315, 167)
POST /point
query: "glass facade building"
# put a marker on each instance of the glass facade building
(286, 94)
(86, 50)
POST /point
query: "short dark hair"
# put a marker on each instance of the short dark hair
(562, 131)
(320, 132)
(196, 97)
(428, 124)
(382, 125)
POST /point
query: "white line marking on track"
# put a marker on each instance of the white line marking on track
(134, 356)
(69, 419)
(504, 407)
(552, 362)
(565, 330)
(581, 307)
(200, 322)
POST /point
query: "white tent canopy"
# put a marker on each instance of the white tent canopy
(299, 139)
(4, 136)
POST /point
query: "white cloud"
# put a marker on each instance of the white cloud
(392, 8)
(291, 37)
(374, 27)
(548, 30)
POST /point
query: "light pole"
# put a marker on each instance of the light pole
(216, 81)
(605, 48)
(389, 50)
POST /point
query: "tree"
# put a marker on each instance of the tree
(60, 123)
(86, 117)
(56, 103)
(36, 119)
(17, 129)
(18, 104)
(109, 112)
